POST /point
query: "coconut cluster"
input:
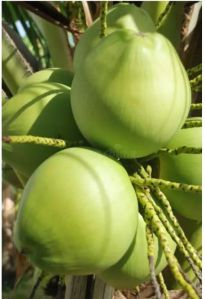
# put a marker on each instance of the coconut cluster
(128, 98)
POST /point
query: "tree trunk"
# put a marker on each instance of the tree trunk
(87, 287)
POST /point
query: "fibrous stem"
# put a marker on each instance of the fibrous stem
(192, 124)
(194, 70)
(157, 227)
(174, 236)
(103, 18)
(197, 106)
(166, 205)
(181, 150)
(41, 141)
(163, 286)
(166, 184)
(150, 251)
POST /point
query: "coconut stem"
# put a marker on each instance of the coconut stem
(103, 18)
(181, 150)
(196, 81)
(166, 205)
(197, 106)
(150, 251)
(163, 286)
(173, 151)
(194, 70)
(41, 141)
(192, 124)
(174, 236)
(164, 201)
(178, 235)
(157, 227)
(80, 19)
(137, 180)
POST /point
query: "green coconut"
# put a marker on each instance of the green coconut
(131, 94)
(133, 268)
(193, 231)
(120, 16)
(57, 75)
(78, 213)
(40, 110)
(184, 168)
